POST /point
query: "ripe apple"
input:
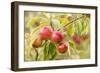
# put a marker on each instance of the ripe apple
(45, 33)
(57, 36)
(62, 48)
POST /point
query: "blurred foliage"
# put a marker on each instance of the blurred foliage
(34, 21)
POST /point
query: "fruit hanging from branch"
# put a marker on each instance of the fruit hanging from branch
(62, 47)
(50, 43)
(57, 36)
(45, 33)
(76, 38)
(37, 42)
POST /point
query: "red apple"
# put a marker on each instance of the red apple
(45, 33)
(76, 38)
(57, 36)
(62, 48)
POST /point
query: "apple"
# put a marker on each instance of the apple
(37, 42)
(62, 47)
(45, 33)
(57, 36)
(76, 38)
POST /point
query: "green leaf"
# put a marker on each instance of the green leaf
(46, 50)
(52, 51)
(78, 27)
(71, 29)
(49, 51)
(71, 43)
(53, 56)
(31, 21)
(56, 24)
(41, 53)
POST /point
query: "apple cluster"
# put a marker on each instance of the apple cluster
(47, 33)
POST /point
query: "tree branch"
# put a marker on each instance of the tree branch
(71, 22)
(31, 54)
(36, 57)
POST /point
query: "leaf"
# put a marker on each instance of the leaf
(71, 43)
(31, 21)
(86, 26)
(41, 53)
(52, 51)
(71, 29)
(46, 50)
(78, 27)
(56, 24)
(49, 51)
(63, 21)
(53, 56)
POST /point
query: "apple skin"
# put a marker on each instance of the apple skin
(45, 33)
(57, 36)
(37, 42)
(76, 38)
(62, 48)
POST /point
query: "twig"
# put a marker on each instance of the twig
(71, 22)
(31, 54)
(44, 49)
(36, 58)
